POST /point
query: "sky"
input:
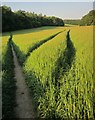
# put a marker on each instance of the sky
(64, 10)
(47, 0)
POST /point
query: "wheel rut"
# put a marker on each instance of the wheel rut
(24, 108)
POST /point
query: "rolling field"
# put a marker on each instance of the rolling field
(33, 40)
(58, 67)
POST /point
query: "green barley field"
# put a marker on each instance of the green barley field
(58, 66)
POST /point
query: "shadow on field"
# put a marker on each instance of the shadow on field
(65, 61)
(20, 55)
(8, 85)
(32, 30)
(41, 43)
(23, 57)
(36, 88)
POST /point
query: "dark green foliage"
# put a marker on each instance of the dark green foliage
(8, 85)
(8, 22)
(88, 19)
(24, 20)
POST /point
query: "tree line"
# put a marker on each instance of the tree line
(86, 20)
(16, 20)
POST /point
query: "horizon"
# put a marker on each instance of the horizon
(63, 10)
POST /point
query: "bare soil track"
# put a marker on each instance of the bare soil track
(24, 108)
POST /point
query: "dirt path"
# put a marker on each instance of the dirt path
(24, 108)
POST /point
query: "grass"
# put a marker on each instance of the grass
(59, 72)
(25, 31)
(76, 90)
(31, 40)
(38, 70)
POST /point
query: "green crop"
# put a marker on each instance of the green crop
(59, 70)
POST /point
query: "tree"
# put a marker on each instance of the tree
(88, 19)
(24, 20)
